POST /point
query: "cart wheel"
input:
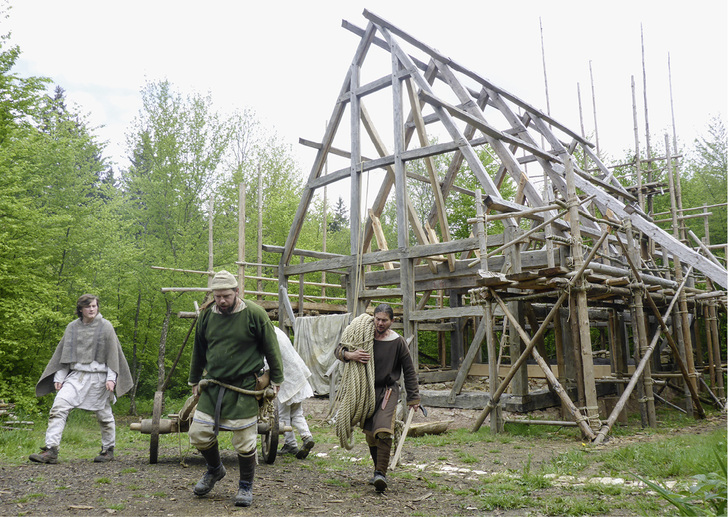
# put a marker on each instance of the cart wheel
(154, 436)
(269, 440)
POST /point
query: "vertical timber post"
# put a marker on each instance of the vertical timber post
(496, 415)
(241, 238)
(582, 312)
(642, 339)
(406, 264)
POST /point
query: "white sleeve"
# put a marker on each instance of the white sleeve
(61, 375)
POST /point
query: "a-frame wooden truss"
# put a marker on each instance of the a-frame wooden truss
(430, 95)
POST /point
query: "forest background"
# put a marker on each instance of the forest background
(71, 224)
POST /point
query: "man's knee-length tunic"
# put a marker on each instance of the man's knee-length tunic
(230, 348)
(391, 360)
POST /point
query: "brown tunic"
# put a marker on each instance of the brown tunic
(391, 360)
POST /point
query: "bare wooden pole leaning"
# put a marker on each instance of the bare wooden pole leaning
(577, 416)
(635, 376)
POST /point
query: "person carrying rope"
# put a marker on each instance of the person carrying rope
(231, 340)
(365, 341)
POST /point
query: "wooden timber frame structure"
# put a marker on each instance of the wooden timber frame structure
(576, 255)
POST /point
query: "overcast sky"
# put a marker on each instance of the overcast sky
(286, 60)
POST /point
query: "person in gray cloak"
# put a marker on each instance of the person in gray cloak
(86, 368)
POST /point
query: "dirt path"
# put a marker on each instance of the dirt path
(433, 480)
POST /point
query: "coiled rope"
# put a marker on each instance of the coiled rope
(355, 398)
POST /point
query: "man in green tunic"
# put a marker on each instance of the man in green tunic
(231, 340)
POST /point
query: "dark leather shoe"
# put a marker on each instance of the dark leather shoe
(308, 444)
(209, 479)
(244, 496)
(105, 455)
(289, 449)
(48, 455)
(380, 481)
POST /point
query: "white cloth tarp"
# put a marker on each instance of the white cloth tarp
(295, 387)
(316, 338)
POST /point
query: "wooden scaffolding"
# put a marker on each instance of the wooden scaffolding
(578, 254)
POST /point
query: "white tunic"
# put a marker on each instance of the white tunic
(84, 386)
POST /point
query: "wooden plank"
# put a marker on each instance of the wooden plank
(553, 271)
(436, 376)
(601, 371)
(379, 234)
(485, 128)
(467, 311)
(530, 260)
(523, 276)
(380, 293)
(468, 361)
(379, 257)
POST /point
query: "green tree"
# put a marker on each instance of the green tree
(177, 145)
(704, 181)
(339, 220)
(50, 172)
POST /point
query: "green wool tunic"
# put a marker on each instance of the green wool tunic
(230, 348)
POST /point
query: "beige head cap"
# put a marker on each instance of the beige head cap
(223, 280)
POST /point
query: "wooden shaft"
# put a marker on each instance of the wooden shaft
(582, 312)
(709, 346)
(398, 452)
(716, 349)
(493, 379)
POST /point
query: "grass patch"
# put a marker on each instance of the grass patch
(453, 437)
(467, 458)
(337, 482)
(570, 505)
(103, 481)
(29, 497)
(569, 463)
(673, 457)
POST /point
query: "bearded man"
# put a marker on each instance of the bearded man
(232, 338)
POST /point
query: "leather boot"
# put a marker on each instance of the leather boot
(373, 453)
(380, 475)
(308, 444)
(380, 481)
(105, 455)
(383, 451)
(244, 496)
(48, 455)
(215, 471)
